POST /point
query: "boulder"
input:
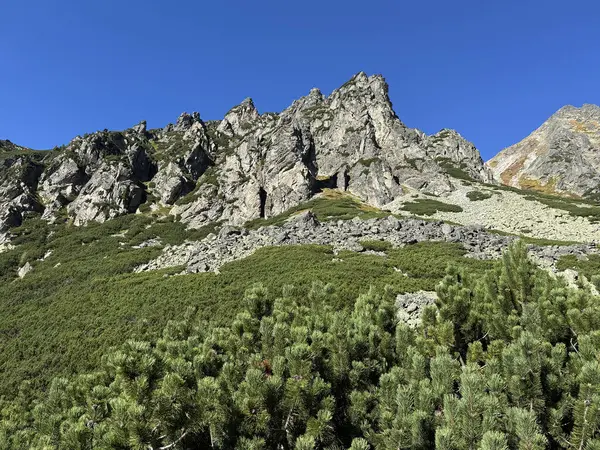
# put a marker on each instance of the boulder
(24, 270)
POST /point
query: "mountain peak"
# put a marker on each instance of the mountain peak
(591, 107)
(560, 157)
(140, 128)
(316, 93)
(366, 89)
(255, 166)
(248, 103)
(587, 110)
(362, 80)
(238, 118)
(185, 121)
(360, 77)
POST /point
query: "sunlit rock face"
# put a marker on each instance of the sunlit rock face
(561, 157)
(246, 166)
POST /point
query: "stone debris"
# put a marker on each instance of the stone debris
(512, 212)
(410, 306)
(236, 243)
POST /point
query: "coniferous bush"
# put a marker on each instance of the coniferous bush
(509, 360)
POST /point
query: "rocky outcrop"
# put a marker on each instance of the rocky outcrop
(234, 243)
(411, 304)
(351, 140)
(239, 119)
(182, 153)
(97, 176)
(562, 156)
(60, 184)
(20, 171)
(24, 270)
(110, 192)
(186, 121)
(457, 155)
(170, 183)
(246, 166)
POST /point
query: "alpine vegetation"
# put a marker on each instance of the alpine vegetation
(504, 360)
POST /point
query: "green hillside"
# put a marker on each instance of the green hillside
(505, 359)
(83, 298)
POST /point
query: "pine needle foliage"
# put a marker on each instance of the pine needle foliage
(82, 298)
(508, 360)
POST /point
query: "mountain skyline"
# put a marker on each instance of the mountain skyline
(493, 72)
(487, 156)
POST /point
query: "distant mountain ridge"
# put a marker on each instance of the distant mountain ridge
(561, 157)
(246, 166)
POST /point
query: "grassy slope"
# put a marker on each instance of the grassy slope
(532, 240)
(61, 319)
(428, 207)
(589, 267)
(330, 205)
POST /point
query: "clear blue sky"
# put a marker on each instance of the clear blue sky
(492, 70)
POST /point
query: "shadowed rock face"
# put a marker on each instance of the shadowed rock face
(240, 168)
(19, 174)
(562, 156)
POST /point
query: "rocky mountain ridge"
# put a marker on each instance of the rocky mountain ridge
(246, 166)
(560, 157)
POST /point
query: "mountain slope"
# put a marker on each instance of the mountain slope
(244, 167)
(562, 156)
(113, 236)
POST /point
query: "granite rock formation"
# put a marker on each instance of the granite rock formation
(560, 157)
(246, 166)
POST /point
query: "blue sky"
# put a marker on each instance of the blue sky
(492, 70)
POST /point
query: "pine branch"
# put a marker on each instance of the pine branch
(573, 346)
(584, 425)
(174, 443)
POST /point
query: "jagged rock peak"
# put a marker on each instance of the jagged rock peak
(247, 103)
(185, 121)
(360, 78)
(245, 166)
(449, 134)
(562, 156)
(587, 110)
(239, 118)
(140, 128)
(247, 106)
(375, 83)
(361, 89)
(316, 93)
